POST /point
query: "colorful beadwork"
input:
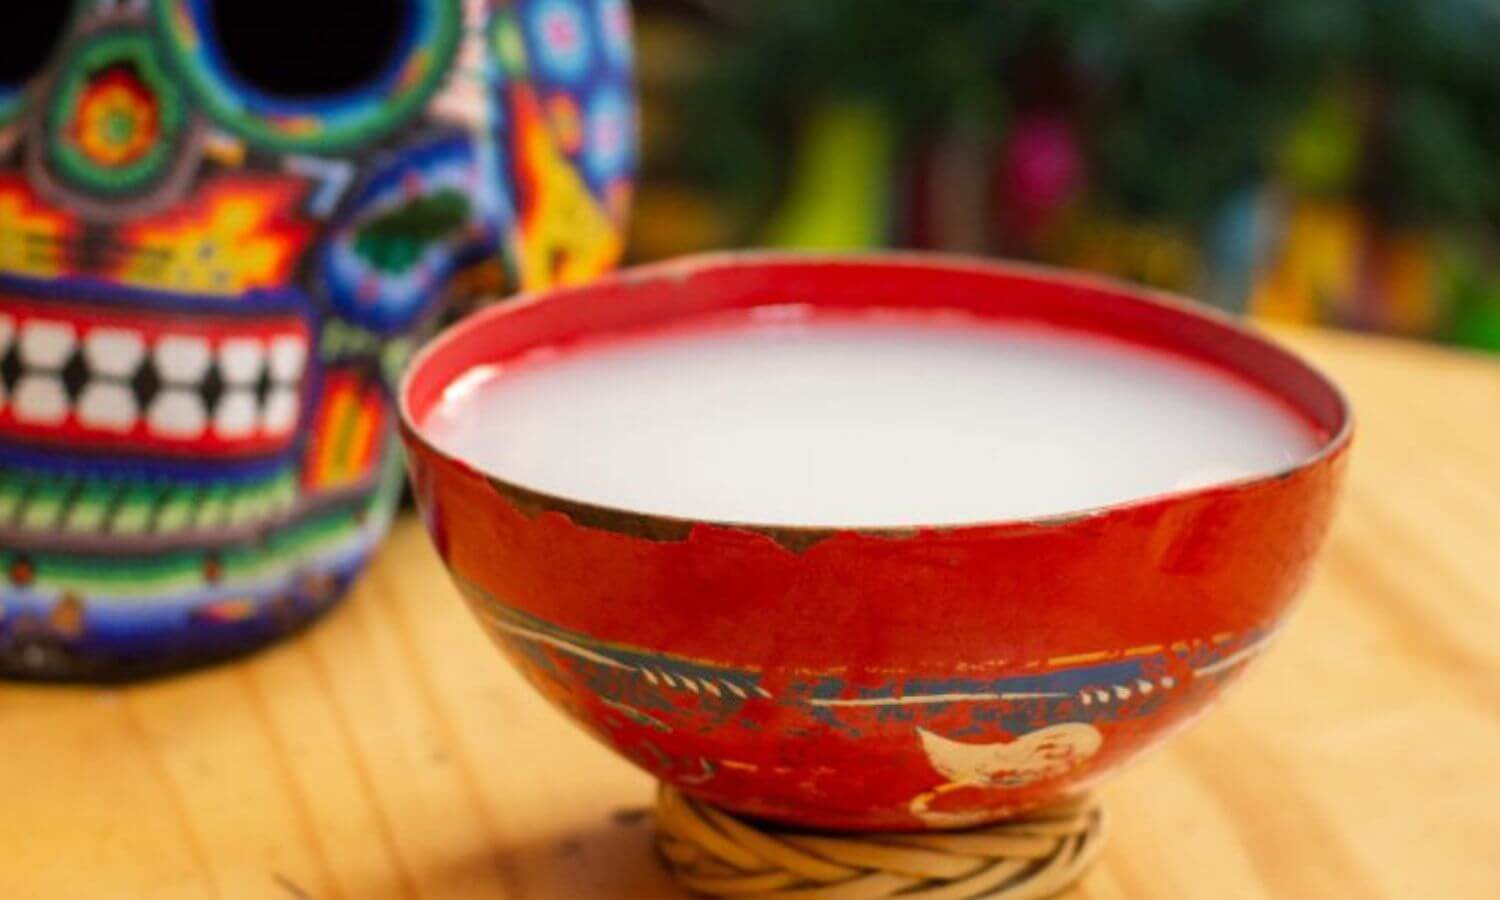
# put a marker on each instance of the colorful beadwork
(116, 115)
(201, 320)
(325, 124)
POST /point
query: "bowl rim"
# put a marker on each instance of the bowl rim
(667, 526)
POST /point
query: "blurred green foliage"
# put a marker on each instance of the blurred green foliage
(1179, 102)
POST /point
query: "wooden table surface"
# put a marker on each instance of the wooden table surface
(391, 753)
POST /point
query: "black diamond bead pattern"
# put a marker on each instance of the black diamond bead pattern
(212, 387)
(145, 383)
(10, 367)
(75, 374)
(263, 387)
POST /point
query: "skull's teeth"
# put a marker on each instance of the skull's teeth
(40, 399)
(288, 357)
(107, 407)
(177, 413)
(242, 359)
(47, 345)
(235, 416)
(182, 359)
(176, 387)
(114, 352)
(280, 411)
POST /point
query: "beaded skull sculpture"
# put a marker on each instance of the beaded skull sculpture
(223, 224)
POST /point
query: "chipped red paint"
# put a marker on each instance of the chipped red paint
(852, 648)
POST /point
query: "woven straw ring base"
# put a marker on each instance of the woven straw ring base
(717, 855)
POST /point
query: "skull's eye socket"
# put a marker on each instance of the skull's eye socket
(31, 32)
(302, 49)
(311, 75)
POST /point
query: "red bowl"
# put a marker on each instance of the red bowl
(870, 678)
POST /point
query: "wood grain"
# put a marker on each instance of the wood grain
(391, 753)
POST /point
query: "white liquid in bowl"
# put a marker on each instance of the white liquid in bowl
(864, 423)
